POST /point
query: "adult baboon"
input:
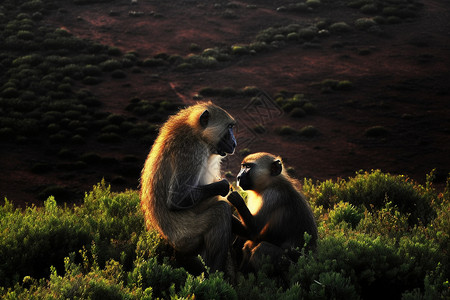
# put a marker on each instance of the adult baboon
(277, 215)
(180, 183)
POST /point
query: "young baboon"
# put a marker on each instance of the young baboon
(180, 183)
(277, 215)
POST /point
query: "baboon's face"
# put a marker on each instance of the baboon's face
(258, 170)
(217, 127)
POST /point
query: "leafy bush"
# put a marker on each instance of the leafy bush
(367, 249)
(345, 212)
(376, 131)
(118, 74)
(111, 65)
(239, 50)
(374, 190)
(340, 27)
(364, 23)
(309, 131)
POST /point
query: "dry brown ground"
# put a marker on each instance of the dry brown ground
(402, 84)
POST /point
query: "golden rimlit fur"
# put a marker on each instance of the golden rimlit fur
(181, 183)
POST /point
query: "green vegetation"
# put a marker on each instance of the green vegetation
(381, 235)
(308, 131)
(297, 105)
(46, 100)
(376, 131)
(228, 92)
(330, 85)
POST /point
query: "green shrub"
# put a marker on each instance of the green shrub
(340, 27)
(309, 131)
(364, 23)
(211, 52)
(250, 91)
(239, 50)
(369, 9)
(118, 74)
(45, 235)
(25, 35)
(91, 70)
(208, 92)
(92, 80)
(307, 33)
(259, 46)
(10, 92)
(357, 3)
(184, 67)
(159, 277)
(375, 189)
(293, 36)
(32, 5)
(313, 3)
(393, 20)
(366, 249)
(286, 130)
(260, 129)
(344, 85)
(297, 112)
(376, 131)
(200, 61)
(310, 108)
(115, 119)
(114, 51)
(111, 65)
(211, 287)
(154, 62)
(345, 212)
(329, 85)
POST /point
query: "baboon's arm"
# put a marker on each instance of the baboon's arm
(239, 229)
(248, 219)
(195, 194)
(275, 229)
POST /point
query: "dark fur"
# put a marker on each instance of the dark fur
(284, 215)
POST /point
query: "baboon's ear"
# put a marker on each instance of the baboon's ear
(204, 119)
(275, 168)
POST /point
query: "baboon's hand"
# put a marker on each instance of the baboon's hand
(236, 199)
(224, 187)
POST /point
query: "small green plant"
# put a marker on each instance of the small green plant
(307, 33)
(309, 131)
(111, 65)
(345, 212)
(154, 62)
(239, 50)
(118, 74)
(340, 27)
(313, 3)
(365, 23)
(376, 131)
(286, 130)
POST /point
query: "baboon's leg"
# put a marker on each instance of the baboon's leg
(218, 237)
(238, 228)
(246, 254)
(263, 250)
